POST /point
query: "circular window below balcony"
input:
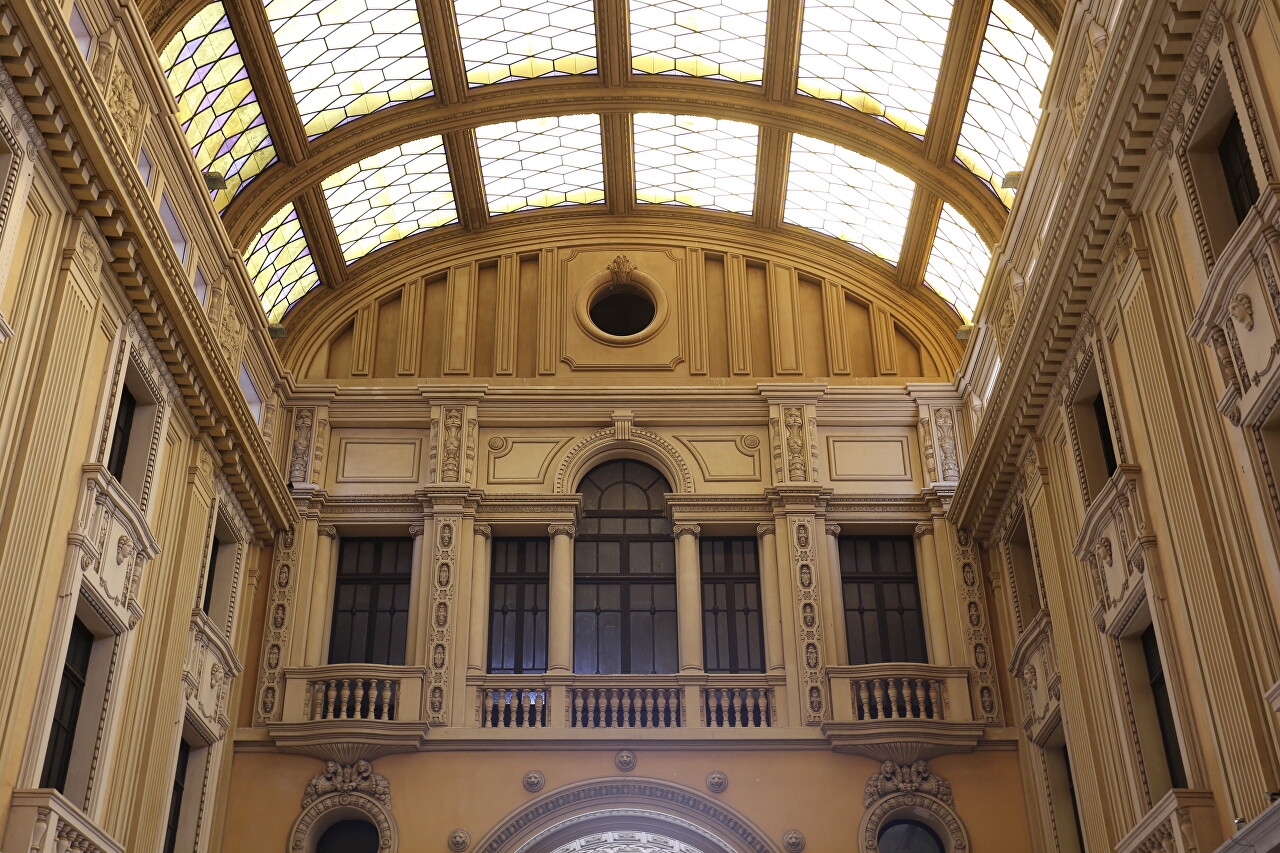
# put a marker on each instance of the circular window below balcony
(622, 310)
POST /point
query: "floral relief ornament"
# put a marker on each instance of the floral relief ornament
(459, 840)
(625, 761)
(793, 841)
(717, 782)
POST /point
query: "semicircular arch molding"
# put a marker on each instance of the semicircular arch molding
(923, 315)
(281, 182)
(342, 805)
(930, 811)
(605, 446)
(566, 814)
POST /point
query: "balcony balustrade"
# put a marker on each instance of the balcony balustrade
(626, 702)
(901, 711)
(1184, 821)
(351, 711)
(41, 820)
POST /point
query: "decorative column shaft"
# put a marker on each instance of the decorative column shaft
(935, 633)
(688, 597)
(416, 653)
(770, 605)
(835, 598)
(560, 604)
(321, 596)
(480, 556)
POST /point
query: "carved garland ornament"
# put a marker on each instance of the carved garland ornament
(267, 708)
(813, 682)
(977, 631)
(451, 460)
(441, 616)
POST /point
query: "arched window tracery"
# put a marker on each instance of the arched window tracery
(624, 573)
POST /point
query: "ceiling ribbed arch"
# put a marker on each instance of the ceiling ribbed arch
(901, 132)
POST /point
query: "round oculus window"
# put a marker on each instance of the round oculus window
(622, 310)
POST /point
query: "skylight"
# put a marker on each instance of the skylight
(390, 195)
(1004, 105)
(878, 56)
(279, 263)
(696, 161)
(217, 108)
(699, 39)
(849, 196)
(520, 39)
(541, 162)
(958, 264)
(348, 58)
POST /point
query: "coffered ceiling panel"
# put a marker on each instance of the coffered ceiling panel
(699, 39)
(521, 39)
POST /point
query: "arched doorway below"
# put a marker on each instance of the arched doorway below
(626, 841)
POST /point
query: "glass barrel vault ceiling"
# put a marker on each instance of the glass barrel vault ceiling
(344, 59)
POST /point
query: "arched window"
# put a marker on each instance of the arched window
(909, 836)
(349, 836)
(624, 610)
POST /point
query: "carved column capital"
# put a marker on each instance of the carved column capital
(554, 530)
(685, 529)
(482, 530)
(833, 529)
(416, 530)
(924, 528)
(328, 530)
(766, 530)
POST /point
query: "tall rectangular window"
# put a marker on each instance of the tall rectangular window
(208, 575)
(882, 614)
(66, 711)
(371, 601)
(169, 217)
(1163, 707)
(175, 797)
(518, 605)
(732, 633)
(1104, 434)
(1242, 184)
(120, 431)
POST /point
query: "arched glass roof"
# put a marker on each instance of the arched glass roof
(697, 103)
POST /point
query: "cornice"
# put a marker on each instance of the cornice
(1129, 101)
(83, 139)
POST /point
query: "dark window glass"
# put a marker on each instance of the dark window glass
(909, 836)
(1164, 708)
(732, 638)
(371, 601)
(624, 563)
(1104, 434)
(120, 433)
(175, 797)
(881, 600)
(349, 836)
(1071, 795)
(208, 575)
(75, 671)
(1242, 185)
(518, 606)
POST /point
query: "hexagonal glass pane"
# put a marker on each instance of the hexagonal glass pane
(348, 58)
(390, 195)
(699, 39)
(877, 56)
(217, 107)
(695, 161)
(521, 39)
(1004, 106)
(958, 265)
(541, 162)
(279, 263)
(849, 196)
